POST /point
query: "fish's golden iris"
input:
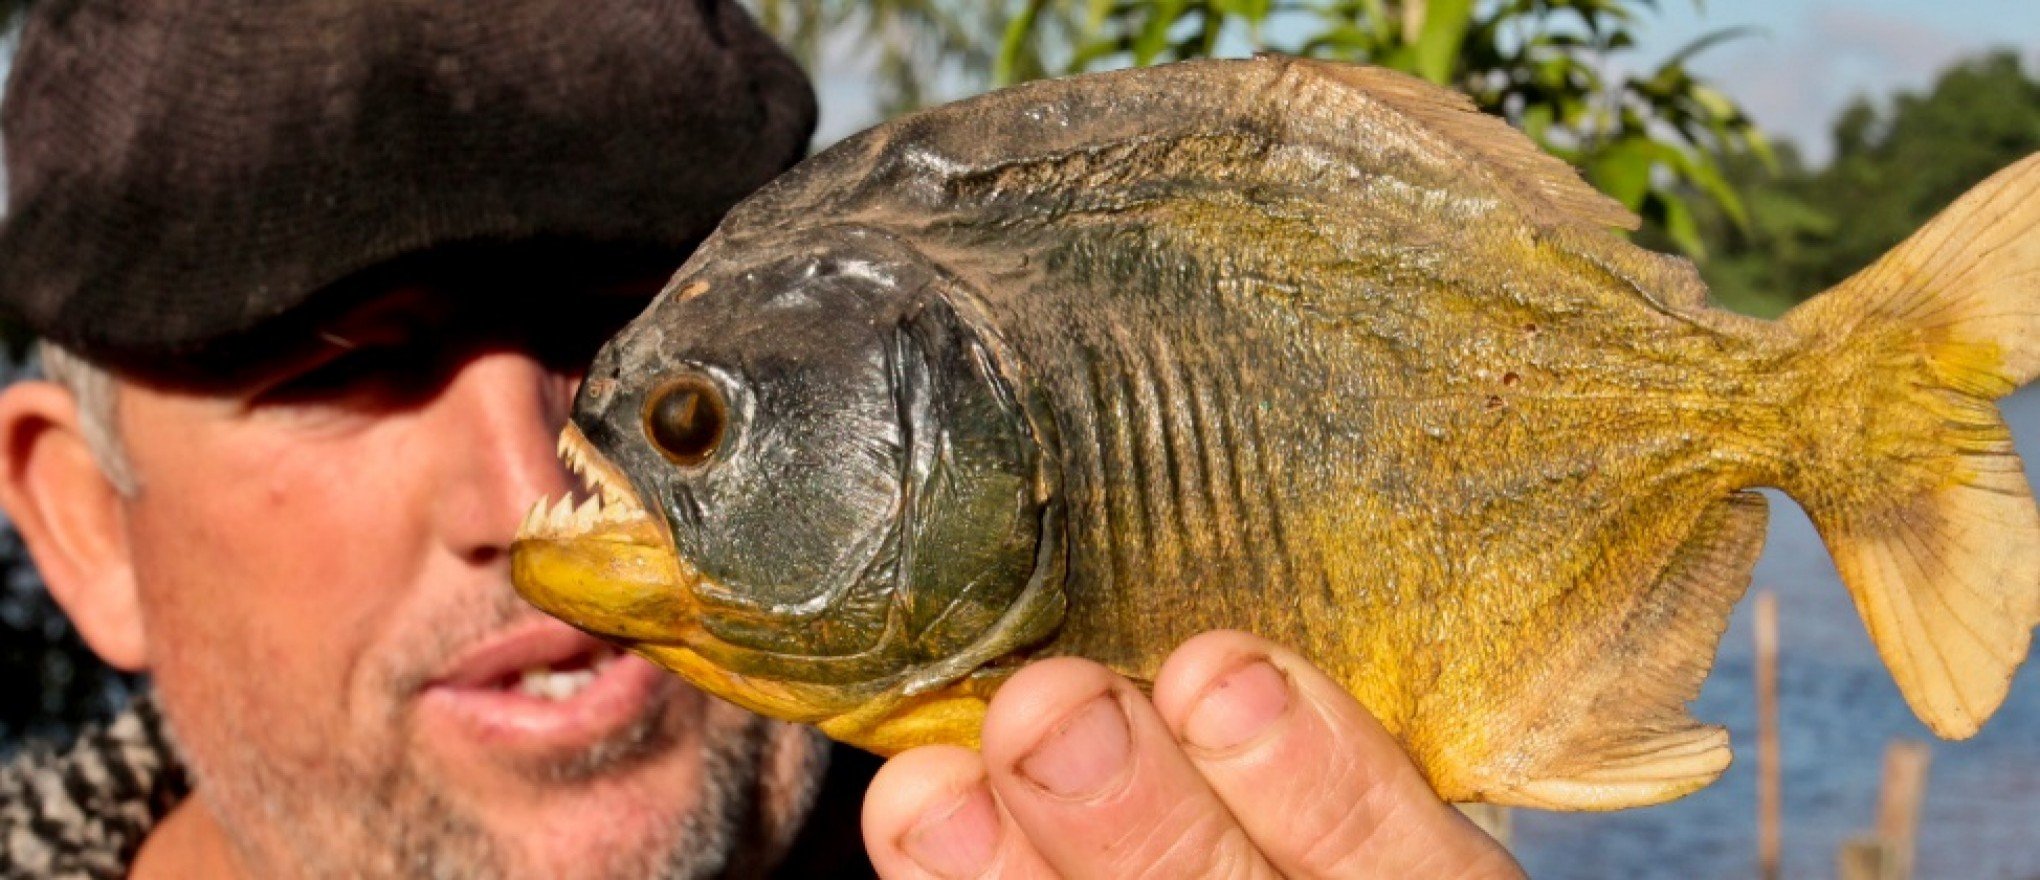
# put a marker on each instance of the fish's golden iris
(685, 420)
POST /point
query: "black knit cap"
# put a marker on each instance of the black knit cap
(184, 173)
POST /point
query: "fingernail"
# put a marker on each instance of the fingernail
(1085, 753)
(1238, 707)
(956, 839)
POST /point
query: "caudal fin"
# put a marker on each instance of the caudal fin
(1917, 491)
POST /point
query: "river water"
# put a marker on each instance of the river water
(1837, 710)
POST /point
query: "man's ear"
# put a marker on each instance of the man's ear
(71, 518)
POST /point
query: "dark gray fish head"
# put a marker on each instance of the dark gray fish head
(831, 439)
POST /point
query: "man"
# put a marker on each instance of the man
(317, 279)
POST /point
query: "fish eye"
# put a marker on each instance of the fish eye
(685, 420)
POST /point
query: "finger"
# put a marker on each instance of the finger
(929, 815)
(1100, 786)
(1254, 716)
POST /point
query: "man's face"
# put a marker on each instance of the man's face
(322, 559)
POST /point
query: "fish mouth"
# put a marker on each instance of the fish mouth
(609, 508)
(609, 568)
(599, 560)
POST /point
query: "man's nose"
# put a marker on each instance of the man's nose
(495, 429)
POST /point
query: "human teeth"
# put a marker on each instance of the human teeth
(556, 686)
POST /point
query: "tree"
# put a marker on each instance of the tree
(913, 42)
(1896, 164)
(1652, 140)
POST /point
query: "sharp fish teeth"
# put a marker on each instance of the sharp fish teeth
(532, 517)
(609, 496)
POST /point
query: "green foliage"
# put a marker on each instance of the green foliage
(1651, 140)
(1895, 166)
(914, 43)
(1551, 67)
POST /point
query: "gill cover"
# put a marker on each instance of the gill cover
(878, 499)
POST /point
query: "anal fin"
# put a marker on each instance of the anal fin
(1610, 730)
(1634, 772)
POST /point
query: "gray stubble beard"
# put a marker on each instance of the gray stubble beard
(398, 825)
(392, 821)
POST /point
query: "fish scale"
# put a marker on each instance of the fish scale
(1308, 349)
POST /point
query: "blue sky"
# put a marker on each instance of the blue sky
(1808, 59)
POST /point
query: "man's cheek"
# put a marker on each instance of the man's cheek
(239, 638)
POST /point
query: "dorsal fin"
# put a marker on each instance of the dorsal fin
(1547, 190)
(1376, 121)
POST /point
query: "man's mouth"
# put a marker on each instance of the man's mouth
(562, 682)
(542, 688)
(549, 665)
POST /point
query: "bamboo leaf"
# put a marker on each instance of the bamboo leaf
(1682, 230)
(1622, 170)
(1438, 44)
(1018, 32)
(1154, 34)
(1706, 41)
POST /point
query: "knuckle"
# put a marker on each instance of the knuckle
(1362, 823)
(1340, 814)
(1235, 856)
(1337, 849)
(1188, 838)
(1218, 851)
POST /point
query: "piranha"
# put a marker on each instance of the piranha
(1089, 366)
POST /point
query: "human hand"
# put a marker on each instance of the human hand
(1236, 768)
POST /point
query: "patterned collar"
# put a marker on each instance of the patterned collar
(82, 812)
